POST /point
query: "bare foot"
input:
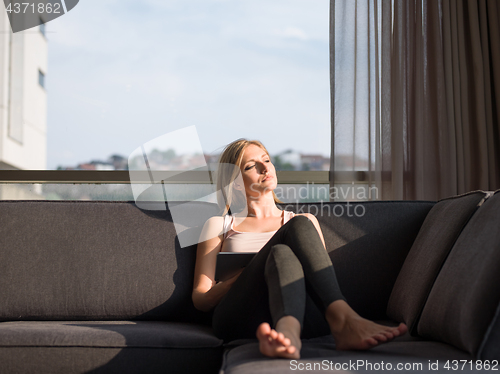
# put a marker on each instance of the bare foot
(351, 331)
(274, 343)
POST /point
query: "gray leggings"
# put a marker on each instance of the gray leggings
(292, 269)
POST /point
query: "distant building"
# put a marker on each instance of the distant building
(290, 160)
(315, 162)
(345, 162)
(287, 160)
(293, 160)
(23, 98)
(291, 157)
(118, 162)
(211, 159)
(96, 165)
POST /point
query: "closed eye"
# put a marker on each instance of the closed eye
(251, 166)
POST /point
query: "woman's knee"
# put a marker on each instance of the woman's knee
(281, 249)
(301, 226)
(300, 221)
(281, 255)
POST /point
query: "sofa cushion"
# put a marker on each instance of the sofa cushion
(435, 239)
(490, 346)
(368, 242)
(320, 355)
(88, 260)
(466, 293)
(121, 334)
(92, 360)
(108, 347)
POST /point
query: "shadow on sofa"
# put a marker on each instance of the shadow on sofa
(107, 262)
(169, 344)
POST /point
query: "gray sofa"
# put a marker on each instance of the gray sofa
(104, 287)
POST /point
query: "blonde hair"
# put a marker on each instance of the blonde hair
(233, 154)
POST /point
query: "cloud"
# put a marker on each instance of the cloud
(294, 33)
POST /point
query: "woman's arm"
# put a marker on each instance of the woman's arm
(206, 292)
(315, 222)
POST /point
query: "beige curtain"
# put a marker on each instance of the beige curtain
(416, 96)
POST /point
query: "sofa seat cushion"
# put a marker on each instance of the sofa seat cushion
(108, 347)
(121, 334)
(321, 352)
(440, 230)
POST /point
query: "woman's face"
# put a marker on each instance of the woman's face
(258, 172)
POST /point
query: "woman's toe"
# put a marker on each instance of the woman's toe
(273, 334)
(389, 335)
(380, 337)
(402, 328)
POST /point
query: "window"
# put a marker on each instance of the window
(42, 27)
(41, 79)
(232, 69)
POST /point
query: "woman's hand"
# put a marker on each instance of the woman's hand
(230, 281)
(209, 300)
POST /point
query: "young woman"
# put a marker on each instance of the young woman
(272, 288)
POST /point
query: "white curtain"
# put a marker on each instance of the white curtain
(416, 96)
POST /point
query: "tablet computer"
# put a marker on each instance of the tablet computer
(230, 263)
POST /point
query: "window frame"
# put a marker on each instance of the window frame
(41, 78)
(41, 27)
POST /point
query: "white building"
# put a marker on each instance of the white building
(23, 99)
(291, 157)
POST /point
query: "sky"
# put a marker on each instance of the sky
(122, 73)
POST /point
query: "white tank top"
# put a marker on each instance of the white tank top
(237, 241)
